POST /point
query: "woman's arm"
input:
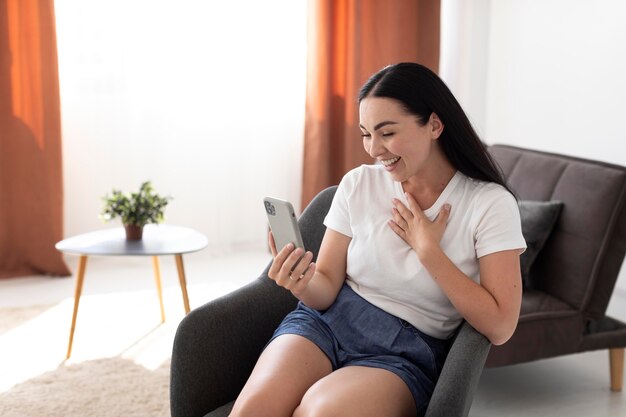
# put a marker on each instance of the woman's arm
(491, 307)
(315, 284)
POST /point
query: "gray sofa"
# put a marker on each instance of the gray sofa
(217, 345)
(572, 279)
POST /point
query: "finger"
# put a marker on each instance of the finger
(399, 231)
(414, 206)
(398, 219)
(443, 215)
(272, 243)
(289, 265)
(304, 280)
(279, 261)
(292, 266)
(301, 267)
(306, 275)
(402, 209)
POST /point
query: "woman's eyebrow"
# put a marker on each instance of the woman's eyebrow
(380, 125)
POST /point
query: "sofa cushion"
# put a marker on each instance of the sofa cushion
(538, 219)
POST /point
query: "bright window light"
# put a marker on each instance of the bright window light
(205, 99)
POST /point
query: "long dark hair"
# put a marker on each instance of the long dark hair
(421, 92)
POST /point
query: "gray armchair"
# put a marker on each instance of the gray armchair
(217, 345)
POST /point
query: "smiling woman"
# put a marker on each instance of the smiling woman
(199, 97)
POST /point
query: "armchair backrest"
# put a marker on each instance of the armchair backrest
(580, 262)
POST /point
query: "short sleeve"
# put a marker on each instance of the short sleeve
(498, 224)
(338, 217)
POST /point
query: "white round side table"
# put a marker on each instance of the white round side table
(157, 240)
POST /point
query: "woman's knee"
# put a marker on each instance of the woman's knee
(357, 391)
(254, 405)
(320, 404)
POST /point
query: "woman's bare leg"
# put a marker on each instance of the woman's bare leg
(287, 368)
(358, 391)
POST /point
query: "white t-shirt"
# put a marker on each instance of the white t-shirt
(384, 269)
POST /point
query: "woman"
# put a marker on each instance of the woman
(425, 238)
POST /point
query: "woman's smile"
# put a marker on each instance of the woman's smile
(390, 164)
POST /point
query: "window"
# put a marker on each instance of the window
(205, 99)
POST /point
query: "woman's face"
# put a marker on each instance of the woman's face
(395, 138)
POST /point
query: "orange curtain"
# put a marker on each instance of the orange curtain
(31, 189)
(349, 40)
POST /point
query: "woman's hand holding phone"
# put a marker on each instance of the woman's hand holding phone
(292, 267)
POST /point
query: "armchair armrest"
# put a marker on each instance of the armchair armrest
(460, 374)
(217, 345)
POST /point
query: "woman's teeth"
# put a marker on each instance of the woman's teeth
(387, 162)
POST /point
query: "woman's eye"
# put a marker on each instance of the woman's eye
(365, 135)
(387, 134)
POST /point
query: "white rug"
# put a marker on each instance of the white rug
(121, 351)
(119, 365)
(102, 387)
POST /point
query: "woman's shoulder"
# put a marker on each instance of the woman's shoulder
(482, 190)
(366, 179)
(487, 199)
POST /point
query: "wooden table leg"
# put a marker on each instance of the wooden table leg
(183, 281)
(80, 276)
(157, 278)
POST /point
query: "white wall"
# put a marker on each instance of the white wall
(556, 76)
(463, 57)
(206, 99)
(542, 74)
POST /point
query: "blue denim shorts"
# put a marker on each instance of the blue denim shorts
(354, 332)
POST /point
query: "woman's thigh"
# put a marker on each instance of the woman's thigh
(358, 391)
(286, 369)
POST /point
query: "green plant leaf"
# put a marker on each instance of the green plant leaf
(140, 208)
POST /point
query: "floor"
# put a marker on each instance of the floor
(121, 291)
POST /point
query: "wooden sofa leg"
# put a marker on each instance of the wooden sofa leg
(616, 362)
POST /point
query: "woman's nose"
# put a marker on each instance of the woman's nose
(376, 147)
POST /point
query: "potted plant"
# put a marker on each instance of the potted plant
(135, 209)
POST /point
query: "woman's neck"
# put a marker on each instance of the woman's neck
(427, 186)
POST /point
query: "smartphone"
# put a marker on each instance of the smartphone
(283, 222)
